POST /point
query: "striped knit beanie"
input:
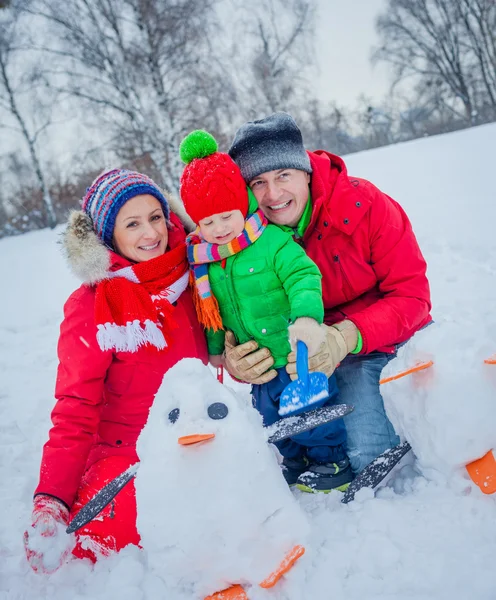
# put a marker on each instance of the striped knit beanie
(211, 182)
(108, 194)
(269, 144)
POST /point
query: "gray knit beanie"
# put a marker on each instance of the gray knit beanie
(269, 144)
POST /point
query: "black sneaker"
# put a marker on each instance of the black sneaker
(326, 477)
(292, 468)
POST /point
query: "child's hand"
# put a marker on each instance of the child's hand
(339, 340)
(306, 330)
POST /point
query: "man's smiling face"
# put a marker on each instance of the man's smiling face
(282, 195)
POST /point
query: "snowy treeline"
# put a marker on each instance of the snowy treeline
(86, 84)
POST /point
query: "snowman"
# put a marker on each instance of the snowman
(447, 413)
(214, 511)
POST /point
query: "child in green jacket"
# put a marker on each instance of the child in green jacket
(252, 278)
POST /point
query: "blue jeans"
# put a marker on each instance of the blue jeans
(369, 430)
(322, 444)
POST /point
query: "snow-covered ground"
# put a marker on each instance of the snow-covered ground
(432, 533)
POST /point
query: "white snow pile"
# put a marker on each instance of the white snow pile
(429, 534)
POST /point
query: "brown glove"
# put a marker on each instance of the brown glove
(246, 362)
(340, 339)
(309, 331)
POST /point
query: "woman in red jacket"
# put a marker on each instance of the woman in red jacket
(130, 321)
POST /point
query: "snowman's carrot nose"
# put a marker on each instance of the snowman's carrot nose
(187, 440)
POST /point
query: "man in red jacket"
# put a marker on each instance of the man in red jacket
(375, 290)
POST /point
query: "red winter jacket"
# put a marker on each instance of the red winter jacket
(373, 272)
(103, 397)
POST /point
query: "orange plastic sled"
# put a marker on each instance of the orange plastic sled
(483, 473)
(235, 592)
(289, 560)
(491, 360)
(419, 367)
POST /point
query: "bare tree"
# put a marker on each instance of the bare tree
(478, 18)
(327, 128)
(377, 123)
(449, 42)
(3, 212)
(272, 63)
(19, 87)
(145, 68)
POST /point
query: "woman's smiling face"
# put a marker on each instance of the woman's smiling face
(140, 231)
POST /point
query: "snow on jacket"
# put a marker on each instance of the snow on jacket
(373, 271)
(264, 288)
(103, 397)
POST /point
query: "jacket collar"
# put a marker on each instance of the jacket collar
(334, 194)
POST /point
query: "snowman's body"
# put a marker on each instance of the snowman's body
(217, 512)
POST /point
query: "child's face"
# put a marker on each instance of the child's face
(222, 228)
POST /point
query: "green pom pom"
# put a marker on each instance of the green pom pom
(198, 144)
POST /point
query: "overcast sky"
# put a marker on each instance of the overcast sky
(345, 37)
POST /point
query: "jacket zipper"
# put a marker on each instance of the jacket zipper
(344, 276)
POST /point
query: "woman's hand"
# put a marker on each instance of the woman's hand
(339, 340)
(46, 543)
(248, 363)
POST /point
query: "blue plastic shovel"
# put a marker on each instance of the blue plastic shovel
(309, 389)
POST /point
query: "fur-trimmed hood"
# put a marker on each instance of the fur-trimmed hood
(89, 259)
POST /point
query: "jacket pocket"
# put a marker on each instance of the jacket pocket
(120, 374)
(355, 275)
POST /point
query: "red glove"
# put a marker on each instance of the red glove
(46, 543)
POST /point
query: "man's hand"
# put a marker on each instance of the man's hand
(246, 362)
(340, 340)
(46, 543)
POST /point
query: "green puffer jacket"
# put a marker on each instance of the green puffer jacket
(262, 290)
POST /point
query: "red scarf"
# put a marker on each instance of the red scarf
(133, 307)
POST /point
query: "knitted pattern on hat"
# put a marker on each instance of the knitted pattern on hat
(269, 144)
(108, 194)
(211, 182)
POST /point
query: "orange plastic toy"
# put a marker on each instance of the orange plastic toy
(419, 367)
(235, 592)
(289, 560)
(483, 473)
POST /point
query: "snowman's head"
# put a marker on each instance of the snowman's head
(192, 410)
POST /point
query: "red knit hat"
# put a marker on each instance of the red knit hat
(211, 182)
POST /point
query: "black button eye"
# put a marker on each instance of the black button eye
(174, 415)
(217, 410)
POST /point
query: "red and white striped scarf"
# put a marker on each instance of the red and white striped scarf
(133, 306)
